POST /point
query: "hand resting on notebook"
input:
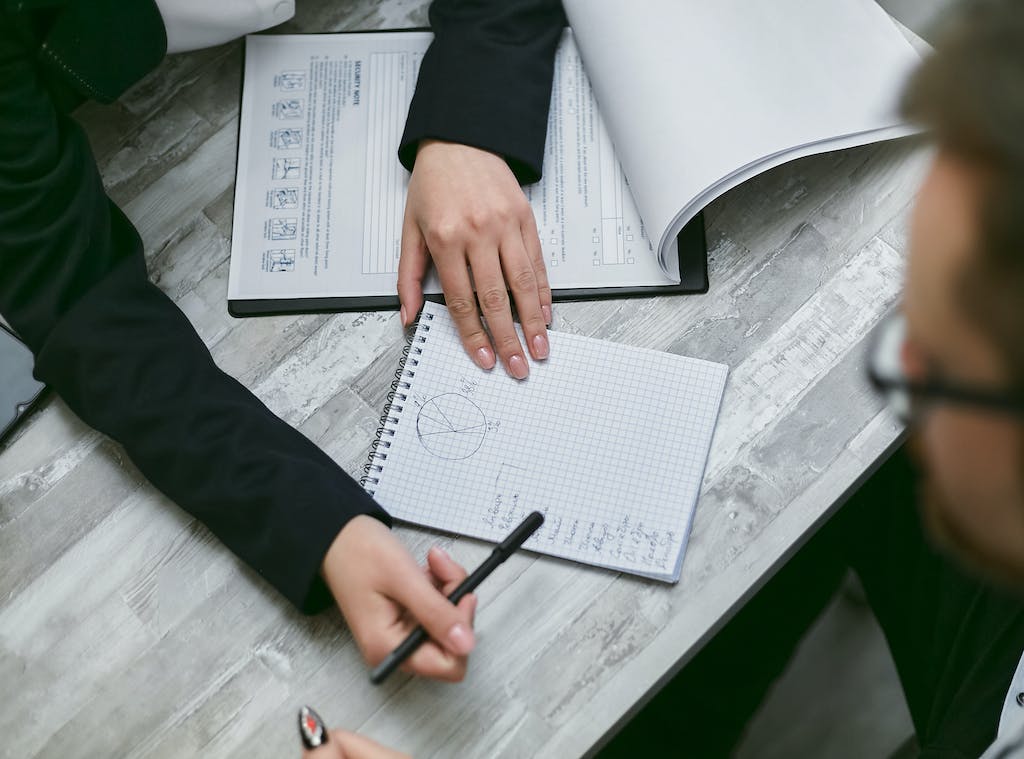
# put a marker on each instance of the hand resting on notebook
(466, 209)
(383, 595)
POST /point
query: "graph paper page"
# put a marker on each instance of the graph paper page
(608, 441)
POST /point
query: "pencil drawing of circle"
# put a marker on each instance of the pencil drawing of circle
(451, 426)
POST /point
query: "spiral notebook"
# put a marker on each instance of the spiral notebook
(608, 441)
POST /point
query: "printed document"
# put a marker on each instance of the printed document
(320, 194)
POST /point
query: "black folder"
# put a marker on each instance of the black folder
(693, 271)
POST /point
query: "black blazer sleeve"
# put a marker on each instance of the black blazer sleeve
(73, 284)
(486, 80)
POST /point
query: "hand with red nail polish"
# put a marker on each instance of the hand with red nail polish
(384, 595)
(466, 211)
(321, 743)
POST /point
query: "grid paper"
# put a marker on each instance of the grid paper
(608, 441)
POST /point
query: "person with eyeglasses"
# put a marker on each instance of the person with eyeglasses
(944, 581)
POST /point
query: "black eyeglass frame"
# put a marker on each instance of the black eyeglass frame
(931, 391)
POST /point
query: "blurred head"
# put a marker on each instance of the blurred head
(964, 299)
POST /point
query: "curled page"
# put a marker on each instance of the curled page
(700, 97)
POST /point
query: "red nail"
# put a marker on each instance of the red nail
(311, 728)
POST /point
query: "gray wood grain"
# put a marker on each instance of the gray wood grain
(127, 630)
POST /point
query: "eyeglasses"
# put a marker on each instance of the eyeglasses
(907, 397)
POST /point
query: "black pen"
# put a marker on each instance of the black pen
(419, 636)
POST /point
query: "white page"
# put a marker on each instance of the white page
(320, 193)
(700, 96)
(608, 441)
(588, 222)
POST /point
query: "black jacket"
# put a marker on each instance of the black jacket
(73, 279)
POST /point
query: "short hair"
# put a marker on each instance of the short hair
(970, 93)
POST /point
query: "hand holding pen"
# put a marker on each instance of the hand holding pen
(384, 594)
(384, 622)
(411, 646)
(323, 744)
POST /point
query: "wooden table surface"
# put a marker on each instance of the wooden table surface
(126, 629)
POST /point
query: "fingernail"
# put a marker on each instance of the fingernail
(461, 639)
(540, 346)
(311, 728)
(517, 367)
(546, 310)
(442, 552)
(401, 315)
(484, 358)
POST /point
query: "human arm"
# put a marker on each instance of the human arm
(73, 283)
(127, 361)
(476, 128)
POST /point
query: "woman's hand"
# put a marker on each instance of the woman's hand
(466, 210)
(321, 743)
(384, 594)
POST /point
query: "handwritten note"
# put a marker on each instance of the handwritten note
(608, 441)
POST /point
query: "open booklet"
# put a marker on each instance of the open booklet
(709, 96)
(699, 97)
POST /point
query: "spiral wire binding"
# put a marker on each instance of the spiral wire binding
(396, 399)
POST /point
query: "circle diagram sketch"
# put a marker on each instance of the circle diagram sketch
(451, 426)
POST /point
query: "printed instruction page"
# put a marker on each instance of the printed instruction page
(320, 194)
